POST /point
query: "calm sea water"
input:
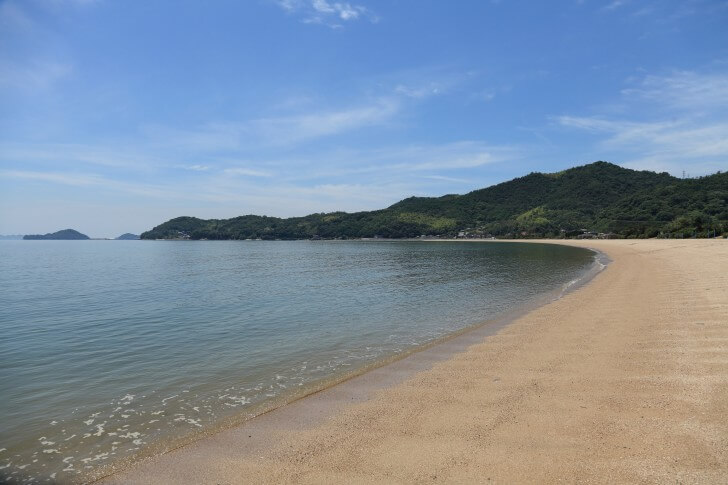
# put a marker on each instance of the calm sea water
(112, 349)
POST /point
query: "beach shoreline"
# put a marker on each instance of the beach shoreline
(436, 416)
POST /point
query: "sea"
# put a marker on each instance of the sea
(111, 351)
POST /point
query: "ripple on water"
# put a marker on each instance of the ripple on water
(163, 347)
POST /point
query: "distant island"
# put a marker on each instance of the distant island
(65, 234)
(10, 237)
(127, 237)
(595, 200)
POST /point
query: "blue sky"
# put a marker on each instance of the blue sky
(118, 115)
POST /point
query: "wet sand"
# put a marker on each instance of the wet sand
(622, 380)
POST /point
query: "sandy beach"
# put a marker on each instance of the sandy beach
(623, 380)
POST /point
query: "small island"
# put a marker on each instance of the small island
(128, 237)
(64, 235)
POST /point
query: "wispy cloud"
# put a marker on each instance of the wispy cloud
(429, 81)
(418, 92)
(75, 154)
(80, 2)
(32, 75)
(301, 118)
(12, 17)
(671, 139)
(661, 14)
(23, 67)
(325, 12)
(684, 90)
(686, 123)
(159, 191)
(401, 162)
(345, 11)
(321, 182)
(452, 155)
(195, 168)
(447, 179)
(207, 137)
(248, 172)
(614, 5)
(77, 180)
(454, 161)
(486, 96)
(300, 127)
(273, 131)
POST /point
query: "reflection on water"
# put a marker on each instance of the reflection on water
(114, 348)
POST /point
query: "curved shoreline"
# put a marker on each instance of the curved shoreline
(439, 349)
(337, 412)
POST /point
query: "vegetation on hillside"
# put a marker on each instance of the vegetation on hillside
(65, 234)
(599, 197)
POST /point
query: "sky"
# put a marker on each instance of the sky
(116, 116)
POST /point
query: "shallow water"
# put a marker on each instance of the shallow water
(112, 349)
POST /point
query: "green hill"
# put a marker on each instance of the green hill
(127, 237)
(65, 234)
(599, 197)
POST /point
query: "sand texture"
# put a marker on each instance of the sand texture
(623, 380)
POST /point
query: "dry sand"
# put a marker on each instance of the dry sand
(623, 380)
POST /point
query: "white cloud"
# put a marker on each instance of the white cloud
(447, 179)
(614, 5)
(486, 96)
(288, 5)
(247, 172)
(617, 5)
(400, 162)
(428, 81)
(234, 136)
(683, 139)
(208, 137)
(54, 177)
(447, 156)
(80, 2)
(684, 90)
(345, 11)
(76, 154)
(418, 92)
(91, 180)
(26, 65)
(12, 17)
(675, 122)
(325, 12)
(299, 118)
(469, 160)
(32, 75)
(302, 127)
(322, 181)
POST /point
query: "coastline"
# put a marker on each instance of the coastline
(435, 415)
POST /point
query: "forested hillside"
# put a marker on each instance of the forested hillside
(65, 234)
(599, 197)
